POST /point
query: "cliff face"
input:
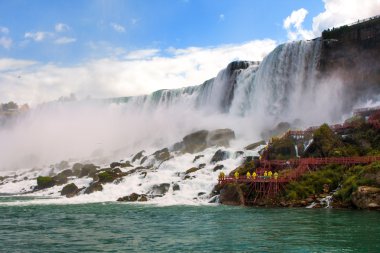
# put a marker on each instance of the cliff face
(353, 53)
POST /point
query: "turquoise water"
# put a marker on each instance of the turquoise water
(114, 227)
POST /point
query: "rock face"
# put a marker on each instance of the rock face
(231, 194)
(61, 178)
(255, 145)
(160, 189)
(195, 142)
(162, 155)
(94, 187)
(69, 190)
(192, 170)
(219, 155)
(134, 197)
(110, 175)
(88, 170)
(220, 137)
(138, 156)
(367, 197)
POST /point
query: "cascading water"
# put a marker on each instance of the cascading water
(247, 97)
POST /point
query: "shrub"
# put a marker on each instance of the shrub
(45, 182)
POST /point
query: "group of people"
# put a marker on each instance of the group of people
(253, 176)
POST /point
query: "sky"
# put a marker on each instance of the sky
(115, 48)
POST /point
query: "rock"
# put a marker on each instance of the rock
(134, 197)
(197, 157)
(138, 156)
(162, 155)
(201, 194)
(61, 178)
(255, 145)
(218, 167)
(202, 165)
(62, 165)
(126, 164)
(45, 182)
(88, 170)
(195, 142)
(366, 197)
(219, 155)
(110, 175)
(143, 160)
(77, 167)
(160, 189)
(192, 170)
(143, 174)
(115, 164)
(176, 187)
(69, 190)
(93, 187)
(177, 146)
(238, 154)
(220, 137)
(231, 194)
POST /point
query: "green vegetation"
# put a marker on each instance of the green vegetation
(106, 177)
(45, 182)
(281, 149)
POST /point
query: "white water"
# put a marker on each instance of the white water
(284, 87)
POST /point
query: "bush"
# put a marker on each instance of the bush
(45, 182)
(105, 176)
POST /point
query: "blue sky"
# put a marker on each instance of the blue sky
(107, 48)
(139, 24)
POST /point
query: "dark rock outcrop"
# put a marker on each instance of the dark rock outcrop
(162, 155)
(70, 190)
(218, 167)
(61, 178)
(220, 137)
(366, 197)
(192, 170)
(94, 187)
(231, 194)
(197, 157)
(195, 142)
(45, 182)
(88, 170)
(255, 145)
(219, 155)
(133, 198)
(160, 189)
(138, 156)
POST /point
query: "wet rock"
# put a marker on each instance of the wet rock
(61, 178)
(201, 194)
(88, 170)
(255, 145)
(231, 194)
(197, 157)
(176, 187)
(195, 142)
(93, 187)
(77, 167)
(218, 167)
(143, 160)
(162, 155)
(177, 146)
(192, 170)
(219, 155)
(202, 165)
(160, 189)
(45, 182)
(70, 190)
(366, 197)
(115, 164)
(220, 137)
(120, 164)
(133, 198)
(238, 154)
(62, 165)
(143, 174)
(138, 156)
(110, 175)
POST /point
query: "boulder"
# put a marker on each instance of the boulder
(231, 194)
(143, 160)
(88, 170)
(238, 154)
(45, 182)
(176, 187)
(160, 189)
(115, 164)
(195, 142)
(61, 178)
(219, 155)
(69, 190)
(197, 157)
(192, 170)
(138, 156)
(77, 167)
(110, 175)
(62, 165)
(220, 137)
(162, 155)
(120, 164)
(255, 145)
(218, 167)
(133, 197)
(93, 187)
(366, 197)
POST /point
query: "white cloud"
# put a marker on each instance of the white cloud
(117, 27)
(4, 30)
(142, 54)
(37, 36)
(5, 42)
(335, 14)
(341, 12)
(7, 64)
(65, 40)
(142, 72)
(293, 25)
(221, 17)
(61, 27)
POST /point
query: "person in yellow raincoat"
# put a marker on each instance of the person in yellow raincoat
(265, 174)
(248, 175)
(254, 175)
(275, 175)
(221, 176)
(236, 175)
(270, 174)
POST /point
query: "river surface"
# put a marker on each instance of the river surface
(119, 227)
